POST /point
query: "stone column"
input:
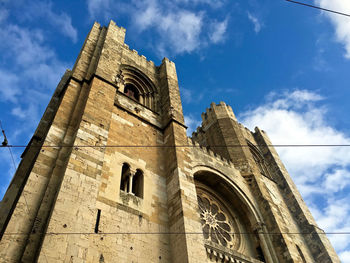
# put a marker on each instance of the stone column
(259, 228)
(131, 175)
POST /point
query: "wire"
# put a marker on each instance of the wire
(184, 233)
(180, 146)
(317, 7)
(13, 160)
(5, 144)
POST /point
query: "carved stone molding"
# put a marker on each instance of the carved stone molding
(223, 255)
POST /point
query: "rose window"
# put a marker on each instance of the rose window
(216, 223)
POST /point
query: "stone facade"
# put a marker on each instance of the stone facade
(110, 176)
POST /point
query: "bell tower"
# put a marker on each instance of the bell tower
(102, 161)
(110, 175)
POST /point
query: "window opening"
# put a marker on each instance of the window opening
(124, 184)
(137, 184)
(301, 254)
(260, 254)
(97, 220)
(131, 91)
(259, 160)
(131, 181)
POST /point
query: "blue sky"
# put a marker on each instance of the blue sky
(281, 66)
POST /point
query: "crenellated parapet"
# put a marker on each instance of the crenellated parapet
(215, 112)
(207, 152)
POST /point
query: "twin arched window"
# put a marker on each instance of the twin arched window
(131, 181)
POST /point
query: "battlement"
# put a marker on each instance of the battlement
(142, 60)
(215, 112)
(140, 57)
(206, 151)
(212, 114)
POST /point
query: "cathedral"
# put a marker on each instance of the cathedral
(111, 176)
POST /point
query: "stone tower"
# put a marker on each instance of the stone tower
(110, 176)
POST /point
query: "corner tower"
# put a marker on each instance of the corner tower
(110, 175)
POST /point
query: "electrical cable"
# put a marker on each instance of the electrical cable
(184, 233)
(317, 7)
(179, 146)
(5, 144)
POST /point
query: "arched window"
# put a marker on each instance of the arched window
(131, 181)
(124, 183)
(139, 87)
(259, 159)
(137, 183)
(131, 91)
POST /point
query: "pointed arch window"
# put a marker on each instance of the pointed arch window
(259, 160)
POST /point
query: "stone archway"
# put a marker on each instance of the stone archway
(230, 222)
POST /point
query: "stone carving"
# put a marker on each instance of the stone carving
(216, 222)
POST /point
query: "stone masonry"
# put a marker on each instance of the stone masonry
(110, 176)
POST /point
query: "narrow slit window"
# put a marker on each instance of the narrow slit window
(97, 220)
(301, 254)
(260, 254)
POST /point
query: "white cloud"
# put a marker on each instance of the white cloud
(293, 119)
(303, 96)
(257, 24)
(33, 59)
(95, 6)
(212, 3)
(337, 180)
(218, 31)
(334, 218)
(32, 71)
(191, 123)
(341, 23)
(345, 256)
(35, 71)
(9, 86)
(177, 28)
(40, 9)
(186, 95)
(149, 16)
(183, 29)
(296, 117)
(25, 45)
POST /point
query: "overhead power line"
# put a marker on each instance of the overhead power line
(179, 146)
(5, 144)
(181, 233)
(320, 8)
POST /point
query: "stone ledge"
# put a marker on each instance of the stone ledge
(226, 255)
